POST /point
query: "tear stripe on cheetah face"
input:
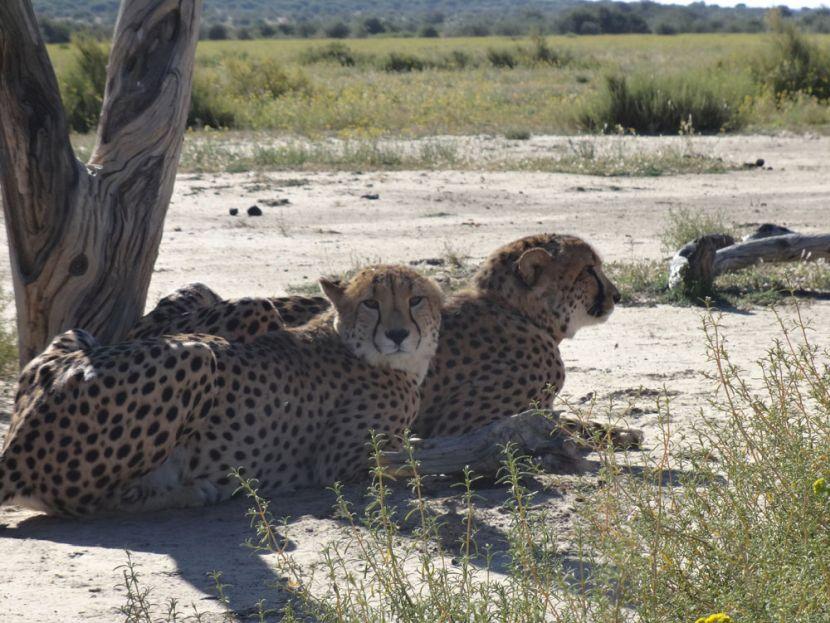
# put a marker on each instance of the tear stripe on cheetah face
(555, 280)
(389, 316)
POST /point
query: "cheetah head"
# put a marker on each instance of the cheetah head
(388, 315)
(556, 280)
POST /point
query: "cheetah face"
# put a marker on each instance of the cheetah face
(593, 298)
(570, 286)
(389, 316)
(553, 279)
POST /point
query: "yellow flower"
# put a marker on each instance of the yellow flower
(820, 487)
(720, 617)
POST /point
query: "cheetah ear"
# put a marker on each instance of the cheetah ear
(531, 264)
(333, 290)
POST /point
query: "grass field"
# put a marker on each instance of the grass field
(493, 85)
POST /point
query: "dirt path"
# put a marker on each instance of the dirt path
(55, 570)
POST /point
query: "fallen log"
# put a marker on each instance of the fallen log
(786, 248)
(694, 267)
(561, 442)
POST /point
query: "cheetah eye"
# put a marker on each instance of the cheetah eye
(415, 301)
(371, 303)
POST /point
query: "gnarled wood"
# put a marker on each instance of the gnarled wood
(562, 442)
(786, 248)
(83, 239)
(694, 267)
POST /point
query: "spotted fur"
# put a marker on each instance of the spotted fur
(498, 352)
(161, 422)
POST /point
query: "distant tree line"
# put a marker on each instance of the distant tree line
(340, 19)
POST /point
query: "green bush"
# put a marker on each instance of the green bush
(334, 52)
(741, 520)
(503, 59)
(400, 63)
(664, 105)
(8, 343)
(541, 53)
(208, 107)
(82, 88)
(686, 224)
(224, 85)
(793, 64)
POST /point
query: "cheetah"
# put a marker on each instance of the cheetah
(498, 352)
(161, 422)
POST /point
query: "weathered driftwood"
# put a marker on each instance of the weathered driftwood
(83, 239)
(786, 248)
(561, 442)
(692, 267)
(695, 266)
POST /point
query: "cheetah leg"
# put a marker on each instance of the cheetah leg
(167, 486)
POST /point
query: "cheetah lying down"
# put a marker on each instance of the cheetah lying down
(498, 352)
(161, 422)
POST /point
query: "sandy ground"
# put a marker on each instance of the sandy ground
(56, 570)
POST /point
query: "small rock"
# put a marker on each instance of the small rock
(759, 163)
(233, 211)
(254, 211)
(370, 196)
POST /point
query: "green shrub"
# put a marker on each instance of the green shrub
(793, 64)
(501, 58)
(686, 224)
(517, 135)
(541, 53)
(82, 88)
(663, 105)
(261, 78)
(739, 522)
(399, 63)
(335, 52)
(224, 87)
(8, 343)
(209, 107)
(459, 59)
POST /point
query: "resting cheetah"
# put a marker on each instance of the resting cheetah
(499, 347)
(161, 422)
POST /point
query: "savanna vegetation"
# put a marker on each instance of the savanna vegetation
(725, 523)
(376, 88)
(341, 19)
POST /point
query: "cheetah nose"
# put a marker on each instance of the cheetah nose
(397, 335)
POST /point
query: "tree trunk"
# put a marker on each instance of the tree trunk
(83, 239)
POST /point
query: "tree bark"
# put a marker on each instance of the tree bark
(786, 248)
(83, 239)
(694, 267)
(561, 442)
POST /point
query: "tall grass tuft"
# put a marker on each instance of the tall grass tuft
(735, 519)
(686, 224)
(225, 86)
(335, 52)
(82, 87)
(727, 521)
(399, 62)
(647, 104)
(8, 343)
(502, 58)
(793, 64)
